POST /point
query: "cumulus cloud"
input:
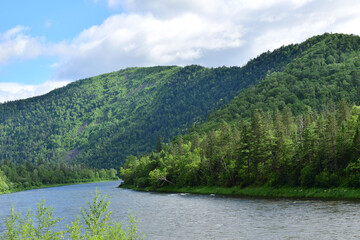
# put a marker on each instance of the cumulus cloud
(207, 32)
(143, 40)
(14, 91)
(313, 19)
(167, 32)
(227, 8)
(14, 43)
(172, 32)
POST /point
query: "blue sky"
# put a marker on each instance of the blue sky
(56, 21)
(47, 44)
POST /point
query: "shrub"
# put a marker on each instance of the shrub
(98, 224)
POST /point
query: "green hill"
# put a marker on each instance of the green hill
(327, 71)
(100, 120)
(294, 128)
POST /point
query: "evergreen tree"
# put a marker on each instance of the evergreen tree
(159, 144)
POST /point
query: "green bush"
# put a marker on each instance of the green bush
(41, 225)
(326, 179)
(307, 176)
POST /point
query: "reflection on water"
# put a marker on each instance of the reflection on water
(188, 216)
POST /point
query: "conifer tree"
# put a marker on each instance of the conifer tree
(159, 144)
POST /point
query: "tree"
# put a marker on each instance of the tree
(3, 183)
(329, 143)
(97, 224)
(259, 145)
(159, 144)
(195, 141)
(343, 112)
(157, 176)
(287, 120)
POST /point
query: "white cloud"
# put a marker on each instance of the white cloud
(14, 43)
(284, 35)
(207, 32)
(167, 32)
(142, 40)
(14, 91)
(203, 7)
(350, 27)
(315, 19)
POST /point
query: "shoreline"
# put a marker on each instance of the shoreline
(52, 185)
(262, 192)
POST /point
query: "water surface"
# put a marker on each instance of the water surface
(190, 216)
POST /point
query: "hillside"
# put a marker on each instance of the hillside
(101, 120)
(297, 127)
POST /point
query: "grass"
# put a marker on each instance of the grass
(264, 192)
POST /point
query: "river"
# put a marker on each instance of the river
(190, 216)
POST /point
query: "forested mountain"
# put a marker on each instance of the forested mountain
(300, 126)
(101, 120)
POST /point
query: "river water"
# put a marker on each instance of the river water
(190, 216)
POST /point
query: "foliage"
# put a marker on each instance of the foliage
(283, 118)
(315, 150)
(294, 128)
(39, 225)
(28, 175)
(3, 183)
(96, 216)
(100, 120)
(42, 225)
(309, 81)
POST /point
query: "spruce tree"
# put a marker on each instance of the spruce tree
(159, 144)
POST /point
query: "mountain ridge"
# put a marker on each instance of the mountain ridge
(297, 127)
(101, 120)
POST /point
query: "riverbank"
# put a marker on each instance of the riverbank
(262, 192)
(54, 185)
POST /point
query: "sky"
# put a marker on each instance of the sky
(48, 44)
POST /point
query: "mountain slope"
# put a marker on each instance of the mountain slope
(255, 140)
(328, 71)
(101, 120)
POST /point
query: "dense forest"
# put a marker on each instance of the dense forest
(297, 127)
(285, 95)
(25, 175)
(101, 120)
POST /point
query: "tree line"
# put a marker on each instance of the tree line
(313, 149)
(28, 175)
(122, 113)
(294, 128)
